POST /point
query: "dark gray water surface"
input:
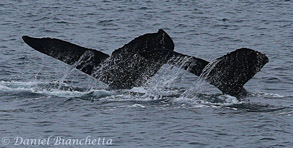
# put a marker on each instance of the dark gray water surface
(42, 97)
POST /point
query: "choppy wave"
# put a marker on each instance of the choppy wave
(189, 98)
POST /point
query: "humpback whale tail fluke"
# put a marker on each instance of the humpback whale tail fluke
(228, 73)
(137, 61)
(86, 59)
(122, 70)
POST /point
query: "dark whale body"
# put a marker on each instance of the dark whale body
(124, 69)
(134, 63)
(228, 73)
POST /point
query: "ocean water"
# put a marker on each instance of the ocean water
(42, 98)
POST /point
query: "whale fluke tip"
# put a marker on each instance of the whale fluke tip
(161, 31)
(26, 38)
